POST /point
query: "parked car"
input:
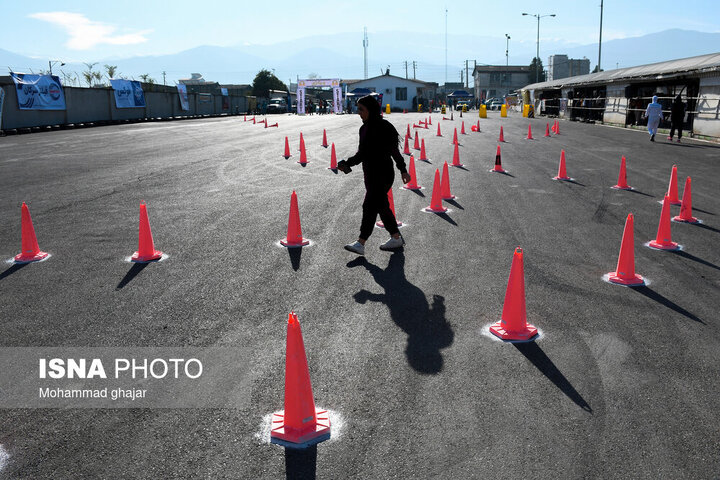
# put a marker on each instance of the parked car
(277, 105)
(494, 103)
(463, 103)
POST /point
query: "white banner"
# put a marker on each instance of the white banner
(319, 82)
(2, 101)
(38, 92)
(337, 99)
(224, 92)
(301, 101)
(182, 93)
(128, 93)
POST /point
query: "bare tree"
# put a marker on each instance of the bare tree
(88, 74)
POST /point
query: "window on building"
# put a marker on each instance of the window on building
(401, 93)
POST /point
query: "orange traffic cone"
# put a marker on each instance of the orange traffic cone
(554, 127)
(498, 162)
(300, 425)
(253, 119)
(445, 184)
(478, 126)
(455, 139)
(622, 177)
(436, 205)
(417, 142)
(29, 248)
(302, 143)
(557, 127)
(404, 110)
(408, 133)
(324, 144)
(412, 184)
(562, 174)
(294, 231)
(625, 274)
(423, 155)
(462, 129)
(456, 157)
(663, 239)
(146, 247)
(406, 150)
(303, 156)
(287, 149)
(438, 132)
(529, 135)
(391, 201)
(429, 120)
(501, 138)
(333, 158)
(513, 324)
(547, 129)
(672, 191)
(686, 208)
(244, 118)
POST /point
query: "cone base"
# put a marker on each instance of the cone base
(674, 202)
(663, 246)
(30, 257)
(326, 146)
(565, 179)
(498, 329)
(334, 169)
(404, 187)
(302, 163)
(293, 439)
(304, 242)
(433, 210)
(382, 225)
(678, 218)
(457, 164)
(497, 170)
(619, 187)
(137, 258)
(546, 135)
(450, 197)
(287, 156)
(635, 281)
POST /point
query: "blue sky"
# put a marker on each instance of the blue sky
(87, 31)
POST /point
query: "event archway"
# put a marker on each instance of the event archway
(319, 82)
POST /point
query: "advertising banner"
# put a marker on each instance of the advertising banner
(301, 101)
(2, 101)
(225, 99)
(38, 92)
(182, 93)
(337, 99)
(128, 93)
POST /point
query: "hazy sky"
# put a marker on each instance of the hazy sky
(91, 30)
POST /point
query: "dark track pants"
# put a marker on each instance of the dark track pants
(376, 202)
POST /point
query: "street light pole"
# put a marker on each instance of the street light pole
(507, 49)
(53, 62)
(537, 55)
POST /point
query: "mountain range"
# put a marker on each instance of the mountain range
(341, 56)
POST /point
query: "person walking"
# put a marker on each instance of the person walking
(653, 112)
(677, 116)
(377, 149)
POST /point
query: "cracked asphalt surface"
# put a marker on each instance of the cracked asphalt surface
(622, 383)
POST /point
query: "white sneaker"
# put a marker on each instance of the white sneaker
(356, 247)
(393, 243)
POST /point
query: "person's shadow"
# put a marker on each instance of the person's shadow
(426, 326)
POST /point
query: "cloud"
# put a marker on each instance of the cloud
(85, 33)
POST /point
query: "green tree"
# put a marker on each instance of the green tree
(265, 81)
(536, 71)
(110, 71)
(89, 74)
(146, 78)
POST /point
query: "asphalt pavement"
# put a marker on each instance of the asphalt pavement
(622, 383)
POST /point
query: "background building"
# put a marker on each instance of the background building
(499, 80)
(400, 93)
(560, 66)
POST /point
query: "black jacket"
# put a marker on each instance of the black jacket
(677, 112)
(377, 149)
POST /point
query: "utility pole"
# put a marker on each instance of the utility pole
(414, 65)
(507, 49)
(406, 70)
(467, 77)
(461, 76)
(600, 42)
(365, 45)
(164, 78)
(446, 45)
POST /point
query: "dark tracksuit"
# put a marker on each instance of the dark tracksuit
(677, 115)
(377, 149)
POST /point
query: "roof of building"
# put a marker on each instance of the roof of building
(501, 68)
(414, 80)
(653, 71)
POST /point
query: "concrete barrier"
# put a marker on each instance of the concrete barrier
(97, 105)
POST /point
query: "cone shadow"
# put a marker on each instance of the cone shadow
(454, 203)
(132, 273)
(12, 269)
(506, 173)
(640, 193)
(690, 256)
(460, 168)
(447, 218)
(419, 193)
(701, 210)
(653, 295)
(427, 329)
(301, 464)
(295, 254)
(533, 352)
(334, 170)
(707, 227)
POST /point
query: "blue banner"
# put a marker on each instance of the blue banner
(128, 93)
(38, 92)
